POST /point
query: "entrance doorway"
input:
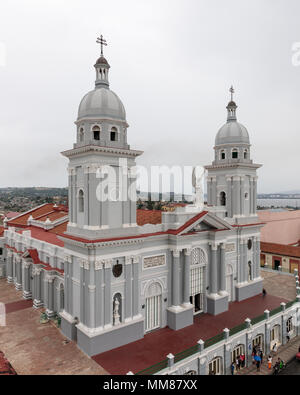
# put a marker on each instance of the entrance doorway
(153, 307)
(275, 336)
(215, 367)
(197, 280)
(277, 263)
(258, 342)
(197, 289)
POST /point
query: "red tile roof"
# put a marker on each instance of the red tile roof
(39, 213)
(148, 217)
(280, 249)
(168, 232)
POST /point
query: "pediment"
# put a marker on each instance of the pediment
(207, 222)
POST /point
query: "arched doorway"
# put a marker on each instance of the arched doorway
(153, 307)
(258, 341)
(197, 279)
(275, 336)
(215, 367)
(237, 352)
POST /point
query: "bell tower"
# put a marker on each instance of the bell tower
(232, 179)
(102, 193)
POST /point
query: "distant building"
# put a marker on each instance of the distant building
(280, 240)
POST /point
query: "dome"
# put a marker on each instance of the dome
(102, 60)
(232, 133)
(101, 103)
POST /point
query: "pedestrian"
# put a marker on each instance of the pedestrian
(258, 365)
(261, 355)
(281, 364)
(287, 338)
(274, 348)
(243, 360)
(276, 368)
(264, 292)
(269, 362)
(237, 364)
(232, 368)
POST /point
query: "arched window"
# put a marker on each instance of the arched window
(289, 325)
(81, 134)
(223, 199)
(223, 155)
(215, 367)
(245, 154)
(114, 134)
(96, 133)
(235, 153)
(81, 201)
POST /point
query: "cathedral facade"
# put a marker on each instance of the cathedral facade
(111, 280)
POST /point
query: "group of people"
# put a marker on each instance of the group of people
(279, 364)
(238, 363)
(257, 356)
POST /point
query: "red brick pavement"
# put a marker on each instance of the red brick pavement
(16, 306)
(155, 346)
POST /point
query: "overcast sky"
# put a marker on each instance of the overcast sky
(172, 63)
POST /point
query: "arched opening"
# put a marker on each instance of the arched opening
(96, 133)
(275, 336)
(238, 354)
(258, 342)
(289, 326)
(223, 155)
(117, 309)
(215, 367)
(153, 307)
(81, 201)
(245, 154)
(114, 134)
(81, 135)
(223, 199)
(235, 153)
(197, 279)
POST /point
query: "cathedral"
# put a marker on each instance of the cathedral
(112, 280)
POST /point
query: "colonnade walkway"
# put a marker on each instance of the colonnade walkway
(286, 353)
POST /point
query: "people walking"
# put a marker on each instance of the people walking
(269, 362)
(232, 367)
(264, 292)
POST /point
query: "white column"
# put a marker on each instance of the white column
(242, 196)
(187, 270)
(214, 269)
(175, 278)
(223, 269)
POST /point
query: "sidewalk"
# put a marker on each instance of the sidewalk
(286, 353)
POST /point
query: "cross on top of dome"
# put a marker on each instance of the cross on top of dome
(101, 41)
(231, 90)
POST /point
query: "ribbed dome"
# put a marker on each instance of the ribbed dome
(231, 133)
(101, 103)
